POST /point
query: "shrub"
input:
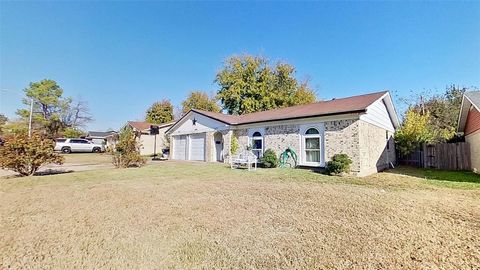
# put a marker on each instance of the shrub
(127, 150)
(72, 133)
(340, 163)
(269, 159)
(234, 145)
(26, 155)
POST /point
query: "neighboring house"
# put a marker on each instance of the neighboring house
(147, 141)
(361, 127)
(469, 124)
(107, 138)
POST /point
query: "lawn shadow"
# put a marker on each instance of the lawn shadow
(434, 174)
(52, 172)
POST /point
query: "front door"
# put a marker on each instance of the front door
(219, 150)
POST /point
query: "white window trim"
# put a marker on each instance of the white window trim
(262, 138)
(303, 157)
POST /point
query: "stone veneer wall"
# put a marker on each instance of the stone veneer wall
(227, 142)
(364, 143)
(342, 137)
(278, 138)
(373, 148)
(242, 136)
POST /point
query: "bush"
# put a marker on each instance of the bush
(72, 133)
(234, 145)
(26, 155)
(127, 151)
(340, 163)
(269, 159)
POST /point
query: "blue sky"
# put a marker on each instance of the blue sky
(122, 56)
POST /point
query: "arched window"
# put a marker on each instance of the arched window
(311, 131)
(257, 144)
(312, 145)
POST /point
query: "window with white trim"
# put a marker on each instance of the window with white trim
(257, 144)
(312, 145)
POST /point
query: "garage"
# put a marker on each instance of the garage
(189, 147)
(197, 147)
(180, 147)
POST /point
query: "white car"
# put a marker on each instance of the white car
(78, 145)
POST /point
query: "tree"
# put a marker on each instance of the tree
(72, 133)
(127, 150)
(77, 114)
(14, 127)
(3, 121)
(250, 84)
(26, 155)
(413, 132)
(200, 100)
(51, 111)
(160, 112)
(443, 111)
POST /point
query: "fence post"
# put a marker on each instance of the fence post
(423, 160)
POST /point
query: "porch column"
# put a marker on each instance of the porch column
(210, 155)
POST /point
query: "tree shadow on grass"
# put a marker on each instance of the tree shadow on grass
(41, 173)
(52, 172)
(434, 174)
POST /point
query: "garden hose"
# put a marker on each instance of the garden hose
(286, 156)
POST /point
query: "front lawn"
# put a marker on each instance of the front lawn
(442, 175)
(175, 215)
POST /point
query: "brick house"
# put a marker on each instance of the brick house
(361, 127)
(469, 124)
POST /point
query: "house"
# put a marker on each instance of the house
(469, 124)
(108, 138)
(361, 127)
(147, 141)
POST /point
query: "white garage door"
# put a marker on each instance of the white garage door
(197, 147)
(180, 147)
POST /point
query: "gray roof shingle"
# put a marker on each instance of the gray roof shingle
(474, 97)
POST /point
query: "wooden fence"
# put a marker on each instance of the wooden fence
(444, 156)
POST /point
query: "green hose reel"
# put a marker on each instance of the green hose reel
(288, 159)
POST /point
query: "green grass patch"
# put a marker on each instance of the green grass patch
(464, 179)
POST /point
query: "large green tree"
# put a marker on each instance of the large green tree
(443, 110)
(52, 112)
(160, 112)
(200, 100)
(48, 105)
(251, 84)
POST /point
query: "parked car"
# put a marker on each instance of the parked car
(77, 145)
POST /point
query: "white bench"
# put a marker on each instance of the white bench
(246, 158)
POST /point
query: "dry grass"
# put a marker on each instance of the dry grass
(87, 158)
(188, 215)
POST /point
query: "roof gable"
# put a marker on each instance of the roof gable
(198, 121)
(470, 99)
